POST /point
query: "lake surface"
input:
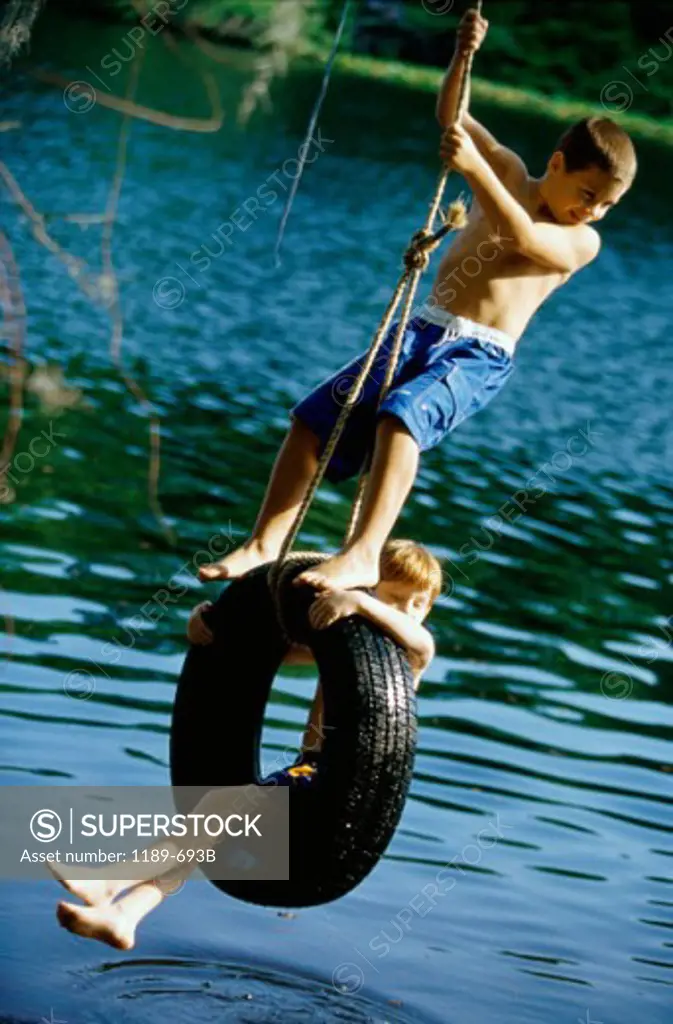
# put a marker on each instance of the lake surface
(542, 776)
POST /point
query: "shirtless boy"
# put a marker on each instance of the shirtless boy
(528, 236)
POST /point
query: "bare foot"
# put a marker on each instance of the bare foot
(107, 924)
(342, 572)
(93, 891)
(248, 556)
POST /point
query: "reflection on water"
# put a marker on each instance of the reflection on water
(224, 992)
(535, 846)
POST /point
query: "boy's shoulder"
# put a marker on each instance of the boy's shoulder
(513, 169)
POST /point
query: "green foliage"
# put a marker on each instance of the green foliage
(565, 48)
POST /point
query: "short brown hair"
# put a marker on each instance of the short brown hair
(409, 562)
(600, 142)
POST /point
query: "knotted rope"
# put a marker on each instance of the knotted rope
(416, 260)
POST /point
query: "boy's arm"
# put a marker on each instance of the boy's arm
(415, 638)
(471, 33)
(562, 248)
(299, 654)
(469, 37)
(507, 164)
(314, 733)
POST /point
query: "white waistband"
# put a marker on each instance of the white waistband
(465, 328)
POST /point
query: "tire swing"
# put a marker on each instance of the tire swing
(342, 823)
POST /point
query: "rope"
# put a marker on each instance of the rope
(416, 259)
(303, 149)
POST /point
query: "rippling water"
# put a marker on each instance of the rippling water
(543, 770)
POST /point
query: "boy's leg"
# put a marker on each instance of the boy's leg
(92, 886)
(113, 923)
(390, 478)
(314, 733)
(292, 473)
(95, 889)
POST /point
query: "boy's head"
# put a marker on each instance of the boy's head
(592, 166)
(411, 578)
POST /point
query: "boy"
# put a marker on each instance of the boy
(527, 237)
(411, 581)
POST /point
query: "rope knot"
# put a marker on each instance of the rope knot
(422, 244)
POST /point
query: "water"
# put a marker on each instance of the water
(543, 770)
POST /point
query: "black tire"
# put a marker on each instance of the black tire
(341, 824)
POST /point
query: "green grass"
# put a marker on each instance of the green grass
(560, 108)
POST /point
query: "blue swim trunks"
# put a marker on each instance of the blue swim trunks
(449, 368)
(299, 775)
